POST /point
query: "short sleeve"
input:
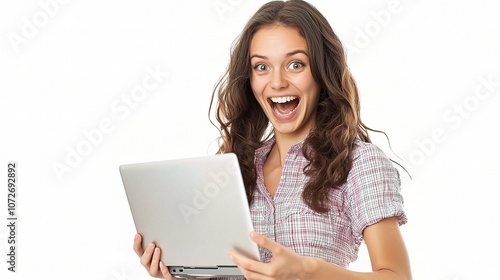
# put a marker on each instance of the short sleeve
(373, 189)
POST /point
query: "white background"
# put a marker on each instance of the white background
(419, 66)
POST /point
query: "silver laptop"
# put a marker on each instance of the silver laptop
(195, 210)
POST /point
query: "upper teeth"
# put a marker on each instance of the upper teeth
(283, 99)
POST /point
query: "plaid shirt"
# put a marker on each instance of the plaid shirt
(370, 194)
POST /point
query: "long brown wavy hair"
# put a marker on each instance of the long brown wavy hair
(244, 126)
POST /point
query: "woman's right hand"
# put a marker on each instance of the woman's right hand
(150, 259)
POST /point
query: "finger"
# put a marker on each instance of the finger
(265, 242)
(148, 254)
(137, 245)
(250, 270)
(155, 263)
(252, 275)
(246, 264)
(164, 271)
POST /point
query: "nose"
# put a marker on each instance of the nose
(278, 80)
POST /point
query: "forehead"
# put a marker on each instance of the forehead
(277, 39)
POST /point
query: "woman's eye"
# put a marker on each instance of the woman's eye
(295, 65)
(260, 67)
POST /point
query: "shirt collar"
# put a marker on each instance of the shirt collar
(262, 152)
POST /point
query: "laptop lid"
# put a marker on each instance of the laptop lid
(195, 210)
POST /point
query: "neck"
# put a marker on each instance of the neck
(282, 146)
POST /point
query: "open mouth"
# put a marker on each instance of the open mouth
(285, 105)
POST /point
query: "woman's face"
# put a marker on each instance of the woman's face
(282, 82)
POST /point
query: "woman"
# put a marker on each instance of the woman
(289, 108)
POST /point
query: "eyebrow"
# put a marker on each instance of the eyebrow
(287, 55)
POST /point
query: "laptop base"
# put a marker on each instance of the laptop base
(182, 272)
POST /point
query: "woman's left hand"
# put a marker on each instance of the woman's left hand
(285, 263)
